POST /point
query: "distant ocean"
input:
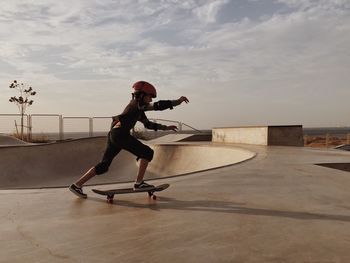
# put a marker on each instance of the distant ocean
(333, 131)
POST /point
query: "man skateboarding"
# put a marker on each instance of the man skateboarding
(119, 137)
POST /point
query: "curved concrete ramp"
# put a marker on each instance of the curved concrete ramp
(169, 138)
(178, 159)
(183, 137)
(59, 164)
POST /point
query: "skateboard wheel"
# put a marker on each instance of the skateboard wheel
(154, 197)
(150, 194)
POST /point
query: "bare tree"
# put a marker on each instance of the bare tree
(22, 101)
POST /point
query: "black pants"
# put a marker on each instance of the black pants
(118, 140)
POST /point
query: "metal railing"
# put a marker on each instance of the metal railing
(61, 123)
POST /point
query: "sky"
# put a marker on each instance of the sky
(239, 62)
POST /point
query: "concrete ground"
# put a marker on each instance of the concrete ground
(276, 207)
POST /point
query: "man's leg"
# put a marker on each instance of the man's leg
(86, 177)
(142, 151)
(76, 188)
(102, 167)
(142, 170)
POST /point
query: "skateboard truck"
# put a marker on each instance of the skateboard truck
(110, 197)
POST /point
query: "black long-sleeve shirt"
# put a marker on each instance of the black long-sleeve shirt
(135, 112)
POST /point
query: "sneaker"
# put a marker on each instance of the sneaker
(77, 191)
(142, 185)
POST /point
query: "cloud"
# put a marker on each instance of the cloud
(208, 12)
(319, 4)
(241, 49)
(114, 38)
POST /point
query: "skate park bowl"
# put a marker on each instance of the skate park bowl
(60, 164)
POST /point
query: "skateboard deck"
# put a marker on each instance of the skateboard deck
(150, 190)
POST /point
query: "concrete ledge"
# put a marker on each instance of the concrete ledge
(291, 135)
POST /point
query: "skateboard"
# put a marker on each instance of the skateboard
(150, 190)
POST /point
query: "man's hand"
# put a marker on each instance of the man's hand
(171, 128)
(183, 99)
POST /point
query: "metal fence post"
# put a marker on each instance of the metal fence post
(91, 127)
(29, 128)
(180, 126)
(61, 129)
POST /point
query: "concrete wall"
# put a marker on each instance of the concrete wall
(286, 135)
(245, 135)
(261, 135)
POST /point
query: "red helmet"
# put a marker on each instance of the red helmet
(145, 87)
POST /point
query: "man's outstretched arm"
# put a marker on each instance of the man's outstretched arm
(165, 104)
